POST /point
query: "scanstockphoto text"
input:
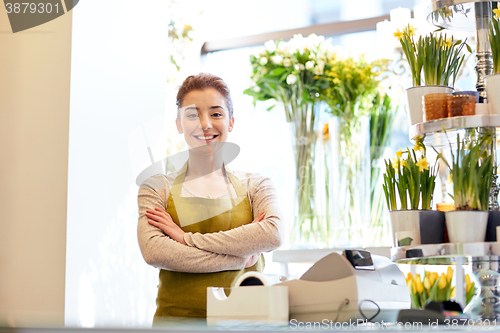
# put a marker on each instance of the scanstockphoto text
(365, 324)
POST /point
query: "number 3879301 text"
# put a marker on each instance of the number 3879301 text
(31, 8)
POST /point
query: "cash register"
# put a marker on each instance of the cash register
(354, 285)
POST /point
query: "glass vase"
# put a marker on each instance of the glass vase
(309, 227)
(380, 233)
(350, 173)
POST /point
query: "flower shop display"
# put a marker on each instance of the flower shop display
(434, 63)
(332, 170)
(408, 186)
(493, 81)
(471, 170)
(295, 74)
(433, 287)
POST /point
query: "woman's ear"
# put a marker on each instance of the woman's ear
(179, 126)
(231, 124)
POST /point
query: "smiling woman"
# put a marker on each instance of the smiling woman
(205, 225)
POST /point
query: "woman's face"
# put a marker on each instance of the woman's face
(204, 118)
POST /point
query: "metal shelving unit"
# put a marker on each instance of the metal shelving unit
(464, 15)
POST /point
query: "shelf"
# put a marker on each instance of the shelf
(458, 15)
(447, 250)
(433, 130)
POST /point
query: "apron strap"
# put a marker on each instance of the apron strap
(176, 188)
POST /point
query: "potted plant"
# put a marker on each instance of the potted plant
(410, 179)
(493, 81)
(471, 170)
(434, 62)
(436, 288)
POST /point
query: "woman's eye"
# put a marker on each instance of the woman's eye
(217, 114)
(192, 115)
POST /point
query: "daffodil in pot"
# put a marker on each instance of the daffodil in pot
(493, 81)
(409, 184)
(471, 170)
(294, 75)
(434, 62)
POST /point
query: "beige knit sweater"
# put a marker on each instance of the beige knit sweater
(211, 252)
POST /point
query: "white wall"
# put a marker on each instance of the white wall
(118, 75)
(34, 118)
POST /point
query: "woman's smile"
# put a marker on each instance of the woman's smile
(206, 137)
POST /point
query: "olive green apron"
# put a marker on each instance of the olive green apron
(185, 294)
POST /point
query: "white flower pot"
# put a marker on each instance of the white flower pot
(492, 92)
(414, 100)
(466, 226)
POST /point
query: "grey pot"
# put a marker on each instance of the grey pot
(491, 227)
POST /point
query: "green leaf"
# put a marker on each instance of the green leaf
(277, 71)
(405, 241)
(271, 107)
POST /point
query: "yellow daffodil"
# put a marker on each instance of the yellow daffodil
(449, 274)
(395, 163)
(398, 34)
(422, 164)
(448, 42)
(420, 286)
(408, 277)
(452, 293)
(427, 283)
(417, 147)
(442, 281)
(411, 30)
(497, 13)
(433, 278)
(467, 283)
(450, 179)
(409, 282)
(414, 286)
(399, 153)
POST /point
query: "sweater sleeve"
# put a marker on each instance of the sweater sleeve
(252, 238)
(161, 251)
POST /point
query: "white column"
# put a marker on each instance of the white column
(34, 122)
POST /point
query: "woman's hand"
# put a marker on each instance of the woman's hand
(253, 259)
(162, 220)
(259, 217)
